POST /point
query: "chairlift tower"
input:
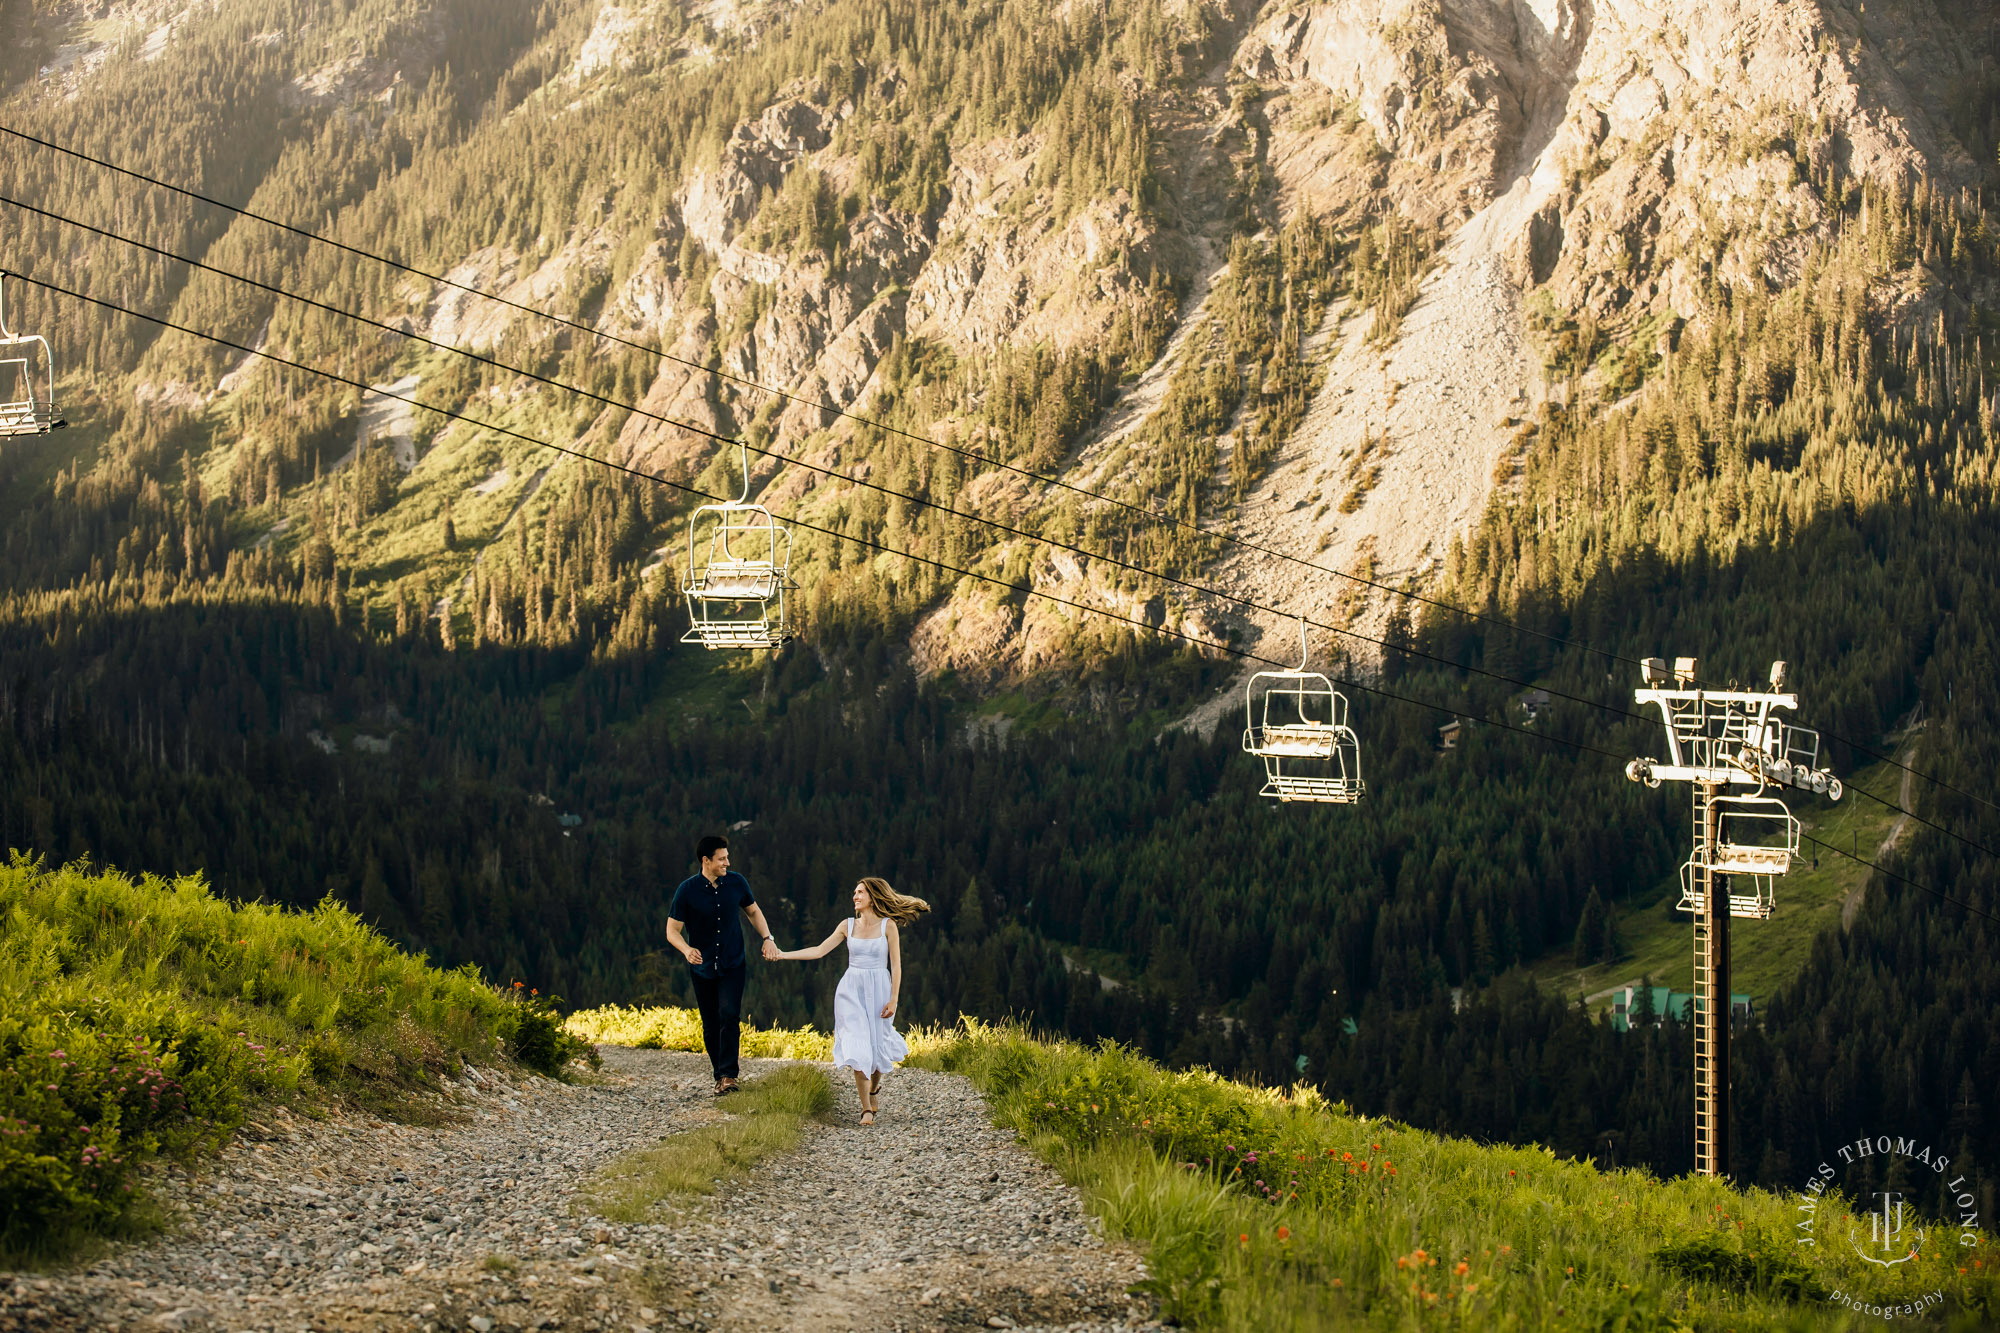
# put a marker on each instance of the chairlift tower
(1722, 742)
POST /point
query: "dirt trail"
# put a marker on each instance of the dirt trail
(1850, 906)
(931, 1219)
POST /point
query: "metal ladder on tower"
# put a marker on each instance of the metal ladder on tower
(1710, 1006)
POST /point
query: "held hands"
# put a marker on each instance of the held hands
(771, 950)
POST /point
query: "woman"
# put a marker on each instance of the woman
(865, 1039)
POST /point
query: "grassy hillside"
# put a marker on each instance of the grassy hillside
(146, 1018)
(1272, 1210)
(1766, 955)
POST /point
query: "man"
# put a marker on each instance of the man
(702, 925)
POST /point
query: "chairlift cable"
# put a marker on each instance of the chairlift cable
(1893, 762)
(640, 411)
(717, 436)
(1881, 869)
(1156, 516)
(1928, 823)
(643, 475)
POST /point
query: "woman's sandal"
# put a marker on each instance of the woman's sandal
(868, 1118)
(874, 1083)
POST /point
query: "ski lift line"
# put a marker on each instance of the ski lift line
(1152, 515)
(640, 411)
(1879, 868)
(641, 474)
(695, 491)
(741, 443)
(1156, 516)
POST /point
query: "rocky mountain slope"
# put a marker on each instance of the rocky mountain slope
(1051, 235)
(1612, 165)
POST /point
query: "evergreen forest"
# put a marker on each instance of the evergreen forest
(316, 644)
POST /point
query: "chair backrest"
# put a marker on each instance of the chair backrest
(1754, 835)
(1281, 700)
(743, 539)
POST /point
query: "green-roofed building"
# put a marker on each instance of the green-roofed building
(1632, 1005)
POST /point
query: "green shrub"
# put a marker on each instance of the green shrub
(536, 1037)
(1767, 1269)
(674, 1029)
(144, 1018)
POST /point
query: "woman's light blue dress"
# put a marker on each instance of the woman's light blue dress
(862, 1038)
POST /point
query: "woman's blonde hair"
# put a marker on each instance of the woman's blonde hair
(891, 905)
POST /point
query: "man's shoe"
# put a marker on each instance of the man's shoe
(725, 1086)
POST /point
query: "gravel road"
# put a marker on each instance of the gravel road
(932, 1219)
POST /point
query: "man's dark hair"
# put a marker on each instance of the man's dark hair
(710, 845)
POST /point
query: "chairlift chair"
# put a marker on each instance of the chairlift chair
(1750, 895)
(1755, 835)
(739, 573)
(22, 410)
(1296, 722)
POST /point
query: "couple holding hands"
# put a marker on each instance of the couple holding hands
(704, 925)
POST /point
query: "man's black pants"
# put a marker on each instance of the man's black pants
(721, 1001)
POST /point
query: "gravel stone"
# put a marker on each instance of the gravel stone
(929, 1220)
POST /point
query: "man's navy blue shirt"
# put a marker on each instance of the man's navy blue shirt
(712, 917)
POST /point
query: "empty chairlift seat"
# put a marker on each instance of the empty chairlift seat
(738, 579)
(739, 574)
(27, 380)
(1749, 895)
(1296, 722)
